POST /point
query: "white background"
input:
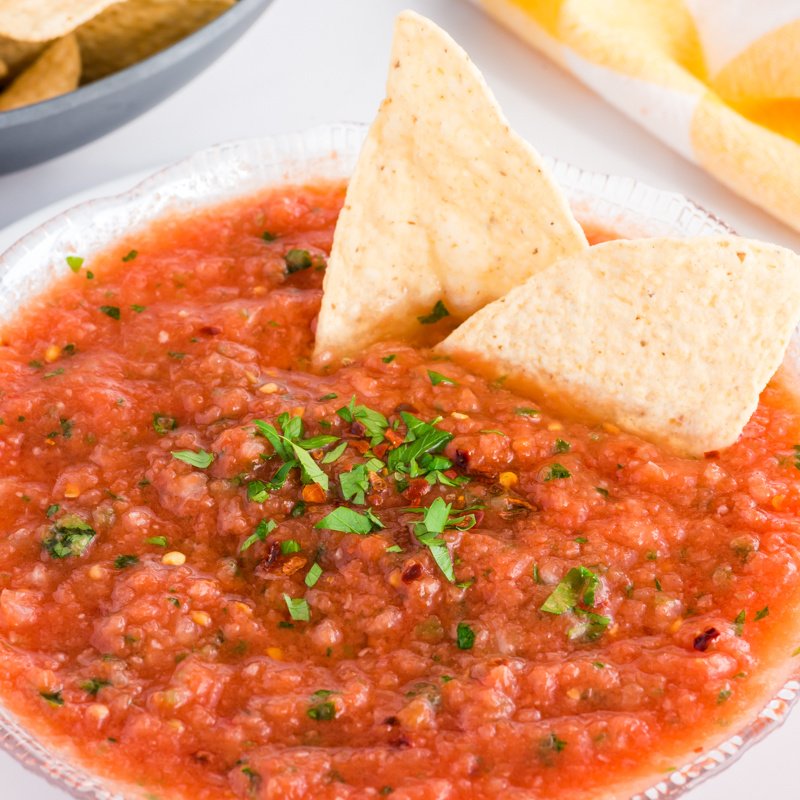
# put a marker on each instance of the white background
(312, 61)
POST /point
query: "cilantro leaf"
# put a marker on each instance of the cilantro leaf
(70, 536)
(347, 520)
(200, 459)
(263, 529)
(439, 311)
(298, 608)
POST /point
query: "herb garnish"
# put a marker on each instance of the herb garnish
(439, 311)
(347, 520)
(94, 685)
(263, 529)
(465, 636)
(53, 698)
(556, 472)
(298, 608)
(561, 446)
(436, 378)
(123, 561)
(738, 623)
(70, 536)
(131, 255)
(289, 546)
(111, 311)
(163, 424)
(75, 263)
(313, 575)
(52, 510)
(375, 424)
(322, 709)
(200, 459)
(764, 612)
(576, 593)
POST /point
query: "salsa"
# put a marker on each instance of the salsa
(224, 576)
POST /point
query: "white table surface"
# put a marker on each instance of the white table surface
(312, 61)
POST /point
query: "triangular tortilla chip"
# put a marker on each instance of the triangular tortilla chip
(446, 204)
(41, 20)
(57, 71)
(129, 32)
(672, 340)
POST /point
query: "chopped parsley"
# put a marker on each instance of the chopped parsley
(465, 636)
(764, 612)
(436, 518)
(163, 424)
(263, 529)
(329, 396)
(75, 263)
(388, 359)
(556, 472)
(158, 541)
(576, 593)
(70, 536)
(420, 454)
(289, 546)
(267, 236)
(373, 422)
(355, 482)
(323, 710)
(313, 575)
(52, 510)
(130, 256)
(561, 446)
(200, 459)
(53, 698)
(738, 623)
(298, 260)
(348, 520)
(123, 561)
(335, 454)
(94, 685)
(439, 311)
(111, 311)
(298, 608)
(257, 491)
(436, 378)
(137, 308)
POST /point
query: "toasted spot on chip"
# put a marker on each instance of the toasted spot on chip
(42, 20)
(673, 340)
(126, 33)
(447, 205)
(57, 71)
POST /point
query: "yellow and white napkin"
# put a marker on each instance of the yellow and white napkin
(717, 80)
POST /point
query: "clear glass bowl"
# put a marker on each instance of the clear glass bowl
(239, 169)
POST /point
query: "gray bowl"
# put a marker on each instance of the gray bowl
(36, 133)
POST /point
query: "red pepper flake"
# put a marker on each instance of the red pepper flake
(417, 488)
(401, 743)
(210, 330)
(711, 454)
(265, 565)
(702, 640)
(461, 459)
(394, 438)
(313, 493)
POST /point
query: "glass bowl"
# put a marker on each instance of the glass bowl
(238, 169)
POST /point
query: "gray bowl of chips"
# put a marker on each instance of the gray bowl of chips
(68, 78)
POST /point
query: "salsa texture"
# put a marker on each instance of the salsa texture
(223, 576)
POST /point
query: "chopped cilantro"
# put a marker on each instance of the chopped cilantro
(537, 578)
(561, 446)
(374, 423)
(738, 623)
(388, 359)
(111, 311)
(436, 518)
(158, 541)
(601, 491)
(436, 378)
(657, 583)
(70, 536)
(257, 491)
(163, 424)
(94, 685)
(335, 454)
(290, 546)
(298, 608)
(75, 263)
(297, 260)
(329, 396)
(130, 256)
(552, 742)
(267, 236)
(123, 561)
(527, 412)
(177, 356)
(394, 548)
(556, 472)
(347, 520)
(355, 482)
(53, 698)
(52, 510)
(200, 459)
(137, 308)
(465, 636)
(54, 373)
(439, 311)
(313, 574)
(298, 509)
(263, 529)
(764, 612)
(324, 711)
(578, 586)
(723, 696)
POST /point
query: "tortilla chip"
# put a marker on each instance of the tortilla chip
(446, 204)
(42, 20)
(672, 340)
(3, 69)
(57, 71)
(18, 55)
(129, 32)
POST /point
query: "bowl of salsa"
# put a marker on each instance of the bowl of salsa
(227, 575)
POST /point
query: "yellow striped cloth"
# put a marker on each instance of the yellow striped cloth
(717, 80)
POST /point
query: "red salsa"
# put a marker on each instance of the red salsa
(224, 576)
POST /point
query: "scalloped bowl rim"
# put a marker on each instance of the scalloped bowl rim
(332, 150)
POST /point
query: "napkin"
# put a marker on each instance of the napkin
(716, 80)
